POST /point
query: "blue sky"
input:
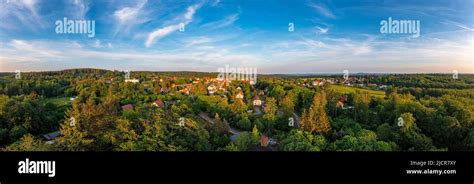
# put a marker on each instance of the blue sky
(328, 36)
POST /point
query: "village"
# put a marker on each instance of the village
(172, 90)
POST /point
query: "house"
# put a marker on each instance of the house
(132, 80)
(51, 136)
(164, 90)
(108, 81)
(211, 89)
(256, 101)
(239, 95)
(383, 87)
(252, 82)
(261, 92)
(146, 87)
(339, 104)
(184, 91)
(342, 102)
(264, 140)
(158, 103)
(127, 107)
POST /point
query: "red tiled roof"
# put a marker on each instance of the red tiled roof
(127, 107)
(159, 103)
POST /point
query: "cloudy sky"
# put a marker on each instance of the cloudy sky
(328, 36)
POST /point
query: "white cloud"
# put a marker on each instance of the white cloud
(129, 16)
(97, 44)
(229, 20)
(307, 55)
(39, 51)
(199, 40)
(160, 33)
(190, 12)
(322, 30)
(82, 8)
(164, 31)
(23, 11)
(323, 10)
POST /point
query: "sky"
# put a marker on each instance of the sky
(325, 36)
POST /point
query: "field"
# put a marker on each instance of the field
(59, 101)
(347, 89)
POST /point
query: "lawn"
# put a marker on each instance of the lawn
(59, 101)
(347, 89)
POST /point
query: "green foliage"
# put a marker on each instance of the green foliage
(316, 119)
(242, 142)
(298, 140)
(365, 140)
(244, 124)
(29, 143)
(437, 112)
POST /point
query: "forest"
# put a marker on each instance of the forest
(103, 110)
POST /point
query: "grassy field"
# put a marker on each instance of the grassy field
(347, 89)
(59, 101)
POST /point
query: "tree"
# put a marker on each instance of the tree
(316, 119)
(361, 108)
(408, 122)
(288, 103)
(244, 123)
(270, 109)
(222, 126)
(242, 143)
(122, 136)
(29, 143)
(277, 92)
(255, 134)
(72, 139)
(238, 107)
(365, 140)
(298, 140)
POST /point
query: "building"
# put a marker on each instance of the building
(184, 91)
(128, 107)
(158, 103)
(211, 89)
(132, 80)
(164, 90)
(256, 101)
(146, 87)
(51, 136)
(239, 95)
(342, 102)
(252, 82)
(264, 140)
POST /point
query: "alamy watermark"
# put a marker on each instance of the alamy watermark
(239, 73)
(17, 74)
(37, 167)
(66, 26)
(455, 74)
(345, 74)
(392, 26)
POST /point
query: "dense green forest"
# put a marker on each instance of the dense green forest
(92, 109)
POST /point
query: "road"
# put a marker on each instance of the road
(297, 120)
(204, 116)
